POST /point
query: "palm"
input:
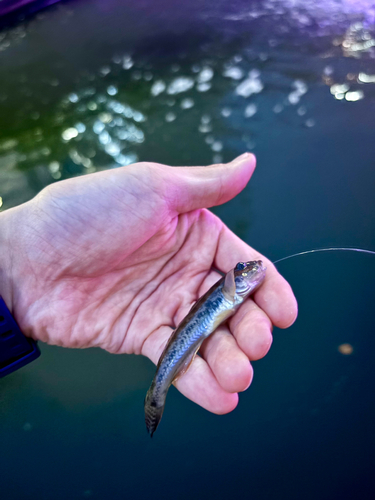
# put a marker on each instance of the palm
(114, 264)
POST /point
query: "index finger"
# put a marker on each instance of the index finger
(275, 295)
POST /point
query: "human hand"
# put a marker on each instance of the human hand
(116, 259)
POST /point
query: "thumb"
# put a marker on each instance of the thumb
(204, 187)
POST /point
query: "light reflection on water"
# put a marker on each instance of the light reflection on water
(114, 113)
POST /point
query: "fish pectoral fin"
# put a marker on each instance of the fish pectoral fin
(187, 365)
(229, 287)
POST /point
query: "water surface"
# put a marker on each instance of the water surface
(91, 85)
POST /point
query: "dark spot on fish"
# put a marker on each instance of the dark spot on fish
(240, 266)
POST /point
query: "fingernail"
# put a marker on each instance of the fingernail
(241, 158)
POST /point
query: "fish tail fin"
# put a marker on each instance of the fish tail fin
(153, 411)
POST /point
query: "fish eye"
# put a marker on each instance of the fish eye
(240, 266)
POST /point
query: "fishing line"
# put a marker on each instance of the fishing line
(333, 249)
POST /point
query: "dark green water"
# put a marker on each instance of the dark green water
(89, 85)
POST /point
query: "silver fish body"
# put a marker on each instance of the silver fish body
(210, 311)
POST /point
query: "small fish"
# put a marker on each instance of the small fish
(211, 310)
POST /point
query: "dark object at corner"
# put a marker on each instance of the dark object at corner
(24, 7)
(16, 350)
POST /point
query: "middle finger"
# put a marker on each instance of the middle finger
(252, 329)
(228, 362)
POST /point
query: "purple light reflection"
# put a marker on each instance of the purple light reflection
(7, 6)
(320, 11)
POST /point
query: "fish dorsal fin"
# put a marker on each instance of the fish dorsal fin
(229, 287)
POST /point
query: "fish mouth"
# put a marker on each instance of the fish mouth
(255, 266)
(261, 266)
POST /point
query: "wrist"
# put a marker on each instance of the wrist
(16, 350)
(6, 282)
